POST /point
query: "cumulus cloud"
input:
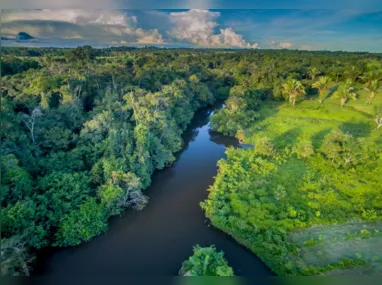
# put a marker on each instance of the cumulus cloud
(285, 44)
(275, 44)
(77, 16)
(306, 47)
(97, 25)
(198, 27)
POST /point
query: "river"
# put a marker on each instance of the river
(155, 241)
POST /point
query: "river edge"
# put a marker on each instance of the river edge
(210, 107)
(243, 244)
(202, 147)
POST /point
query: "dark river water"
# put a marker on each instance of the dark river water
(155, 241)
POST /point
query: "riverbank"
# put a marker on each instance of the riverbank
(290, 205)
(155, 241)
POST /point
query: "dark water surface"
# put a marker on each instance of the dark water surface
(155, 241)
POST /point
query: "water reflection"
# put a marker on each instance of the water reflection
(220, 139)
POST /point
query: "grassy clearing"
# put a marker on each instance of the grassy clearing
(323, 245)
(334, 232)
(283, 124)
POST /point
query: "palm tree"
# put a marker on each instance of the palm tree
(345, 91)
(293, 89)
(313, 72)
(352, 73)
(373, 87)
(336, 70)
(378, 118)
(323, 84)
(371, 75)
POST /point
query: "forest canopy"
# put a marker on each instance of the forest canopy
(83, 129)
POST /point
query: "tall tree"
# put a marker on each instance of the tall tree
(345, 92)
(293, 89)
(373, 87)
(352, 73)
(323, 85)
(378, 117)
(371, 75)
(30, 121)
(313, 72)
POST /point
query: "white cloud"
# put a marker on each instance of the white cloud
(230, 38)
(198, 27)
(275, 44)
(154, 37)
(97, 25)
(285, 44)
(75, 16)
(306, 47)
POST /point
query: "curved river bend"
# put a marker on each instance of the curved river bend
(155, 241)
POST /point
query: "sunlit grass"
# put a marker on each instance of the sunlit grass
(283, 123)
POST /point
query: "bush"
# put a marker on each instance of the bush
(303, 148)
(206, 261)
(265, 147)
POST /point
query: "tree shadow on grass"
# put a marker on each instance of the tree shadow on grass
(318, 138)
(331, 92)
(256, 125)
(357, 129)
(363, 113)
(287, 138)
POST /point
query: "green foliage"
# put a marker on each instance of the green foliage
(82, 134)
(80, 55)
(303, 148)
(83, 130)
(345, 92)
(313, 72)
(206, 261)
(323, 84)
(311, 165)
(265, 147)
(378, 116)
(16, 182)
(239, 112)
(373, 87)
(82, 224)
(111, 197)
(61, 193)
(293, 90)
(341, 149)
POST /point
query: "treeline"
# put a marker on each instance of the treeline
(291, 75)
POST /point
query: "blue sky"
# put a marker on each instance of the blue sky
(350, 30)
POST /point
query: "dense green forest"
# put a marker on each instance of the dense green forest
(81, 135)
(82, 131)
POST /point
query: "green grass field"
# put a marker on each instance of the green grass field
(282, 123)
(322, 245)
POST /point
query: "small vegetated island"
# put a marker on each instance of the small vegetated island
(206, 261)
(83, 129)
